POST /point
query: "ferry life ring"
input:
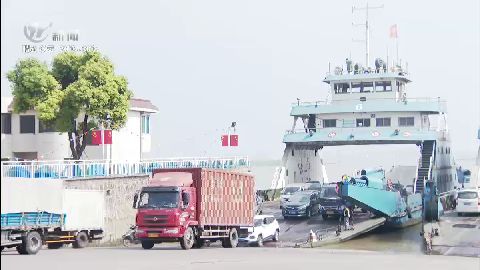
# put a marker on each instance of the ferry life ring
(375, 134)
(332, 134)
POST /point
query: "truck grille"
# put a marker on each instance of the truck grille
(155, 219)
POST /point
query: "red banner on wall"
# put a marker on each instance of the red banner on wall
(224, 140)
(108, 137)
(233, 140)
(96, 137)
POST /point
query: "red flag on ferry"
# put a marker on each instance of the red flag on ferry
(96, 137)
(108, 136)
(233, 140)
(393, 31)
(224, 140)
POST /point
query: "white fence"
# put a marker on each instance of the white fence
(93, 168)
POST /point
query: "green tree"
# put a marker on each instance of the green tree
(76, 94)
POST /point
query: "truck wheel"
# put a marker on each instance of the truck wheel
(186, 242)
(81, 240)
(54, 245)
(31, 244)
(199, 243)
(232, 240)
(147, 244)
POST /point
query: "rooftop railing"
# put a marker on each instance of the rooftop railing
(355, 98)
(71, 169)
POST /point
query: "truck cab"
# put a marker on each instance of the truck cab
(166, 208)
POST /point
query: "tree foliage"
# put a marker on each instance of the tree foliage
(76, 94)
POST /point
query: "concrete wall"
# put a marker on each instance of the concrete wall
(119, 191)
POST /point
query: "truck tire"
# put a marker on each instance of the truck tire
(81, 240)
(188, 239)
(54, 245)
(199, 243)
(232, 240)
(31, 244)
(147, 244)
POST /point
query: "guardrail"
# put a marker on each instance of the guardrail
(355, 98)
(93, 168)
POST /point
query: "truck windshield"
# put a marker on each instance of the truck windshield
(159, 200)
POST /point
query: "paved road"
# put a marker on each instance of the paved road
(171, 257)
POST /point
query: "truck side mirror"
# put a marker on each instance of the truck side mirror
(185, 199)
(135, 199)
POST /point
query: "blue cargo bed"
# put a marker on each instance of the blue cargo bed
(32, 219)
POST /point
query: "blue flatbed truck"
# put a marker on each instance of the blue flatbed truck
(29, 231)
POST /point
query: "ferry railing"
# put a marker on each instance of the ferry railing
(355, 98)
(94, 168)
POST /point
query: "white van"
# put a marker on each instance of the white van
(468, 201)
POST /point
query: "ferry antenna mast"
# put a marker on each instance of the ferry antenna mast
(367, 32)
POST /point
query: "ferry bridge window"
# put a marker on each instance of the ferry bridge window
(27, 124)
(363, 122)
(6, 123)
(383, 122)
(328, 123)
(341, 88)
(363, 87)
(406, 121)
(383, 86)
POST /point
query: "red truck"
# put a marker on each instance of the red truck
(193, 205)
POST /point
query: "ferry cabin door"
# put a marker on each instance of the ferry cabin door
(311, 122)
(425, 122)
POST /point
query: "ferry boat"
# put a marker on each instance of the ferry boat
(369, 106)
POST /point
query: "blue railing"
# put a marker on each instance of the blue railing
(93, 168)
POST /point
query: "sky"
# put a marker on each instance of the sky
(208, 63)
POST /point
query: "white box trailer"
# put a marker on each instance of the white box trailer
(42, 211)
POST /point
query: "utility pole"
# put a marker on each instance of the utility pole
(367, 31)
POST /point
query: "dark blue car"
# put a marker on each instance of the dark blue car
(331, 204)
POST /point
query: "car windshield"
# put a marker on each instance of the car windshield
(159, 200)
(328, 192)
(300, 199)
(257, 222)
(468, 195)
(289, 190)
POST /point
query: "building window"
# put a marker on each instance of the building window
(146, 124)
(383, 122)
(363, 122)
(328, 123)
(27, 124)
(44, 126)
(6, 123)
(406, 121)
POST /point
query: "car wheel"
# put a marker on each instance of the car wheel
(276, 236)
(260, 241)
(324, 216)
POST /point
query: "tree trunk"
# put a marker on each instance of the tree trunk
(79, 143)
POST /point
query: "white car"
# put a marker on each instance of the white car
(288, 191)
(265, 228)
(468, 201)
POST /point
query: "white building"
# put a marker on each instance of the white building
(24, 136)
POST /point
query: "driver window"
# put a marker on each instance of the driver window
(143, 199)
